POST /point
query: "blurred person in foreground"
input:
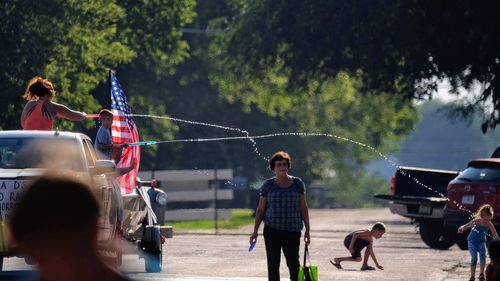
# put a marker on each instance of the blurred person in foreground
(283, 208)
(493, 269)
(40, 111)
(56, 223)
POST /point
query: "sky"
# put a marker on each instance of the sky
(444, 95)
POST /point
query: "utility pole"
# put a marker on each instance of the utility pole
(216, 216)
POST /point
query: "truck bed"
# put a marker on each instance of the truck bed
(420, 182)
(418, 193)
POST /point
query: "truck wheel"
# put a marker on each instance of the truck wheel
(431, 232)
(152, 247)
(153, 260)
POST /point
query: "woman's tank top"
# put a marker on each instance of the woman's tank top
(38, 117)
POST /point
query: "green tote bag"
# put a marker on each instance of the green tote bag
(308, 273)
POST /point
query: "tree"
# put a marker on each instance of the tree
(332, 107)
(401, 47)
(74, 43)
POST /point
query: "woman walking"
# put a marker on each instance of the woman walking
(283, 208)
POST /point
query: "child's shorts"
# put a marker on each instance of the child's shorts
(359, 245)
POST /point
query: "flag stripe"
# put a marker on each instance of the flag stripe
(124, 130)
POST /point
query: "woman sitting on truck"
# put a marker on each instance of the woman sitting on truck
(40, 111)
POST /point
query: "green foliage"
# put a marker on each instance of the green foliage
(209, 79)
(256, 62)
(156, 129)
(354, 189)
(336, 106)
(75, 43)
(202, 89)
(401, 47)
(153, 29)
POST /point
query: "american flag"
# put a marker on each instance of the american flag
(123, 131)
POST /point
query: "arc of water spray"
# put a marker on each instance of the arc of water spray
(254, 144)
(245, 132)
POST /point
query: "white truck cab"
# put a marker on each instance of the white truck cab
(25, 155)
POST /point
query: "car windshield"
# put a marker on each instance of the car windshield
(22, 153)
(480, 174)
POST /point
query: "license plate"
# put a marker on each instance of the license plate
(427, 210)
(468, 199)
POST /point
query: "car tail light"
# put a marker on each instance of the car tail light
(393, 185)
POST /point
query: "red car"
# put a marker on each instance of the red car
(477, 185)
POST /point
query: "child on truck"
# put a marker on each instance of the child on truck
(356, 241)
(103, 141)
(477, 238)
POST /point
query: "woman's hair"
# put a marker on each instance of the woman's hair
(39, 87)
(484, 210)
(280, 155)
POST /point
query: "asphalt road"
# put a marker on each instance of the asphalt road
(202, 256)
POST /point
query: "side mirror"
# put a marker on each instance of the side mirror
(104, 167)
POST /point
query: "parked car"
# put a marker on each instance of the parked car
(478, 184)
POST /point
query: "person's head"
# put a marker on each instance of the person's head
(378, 229)
(39, 87)
(56, 215)
(106, 117)
(485, 212)
(280, 162)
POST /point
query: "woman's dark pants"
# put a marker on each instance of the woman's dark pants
(276, 240)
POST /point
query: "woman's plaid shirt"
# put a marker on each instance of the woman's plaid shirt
(283, 204)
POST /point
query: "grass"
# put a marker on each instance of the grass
(239, 218)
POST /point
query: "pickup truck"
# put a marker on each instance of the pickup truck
(25, 155)
(420, 194)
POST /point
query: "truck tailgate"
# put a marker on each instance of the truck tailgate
(429, 201)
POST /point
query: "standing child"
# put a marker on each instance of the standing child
(104, 142)
(477, 238)
(356, 241)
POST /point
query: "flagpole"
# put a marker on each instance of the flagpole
(109, 86)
